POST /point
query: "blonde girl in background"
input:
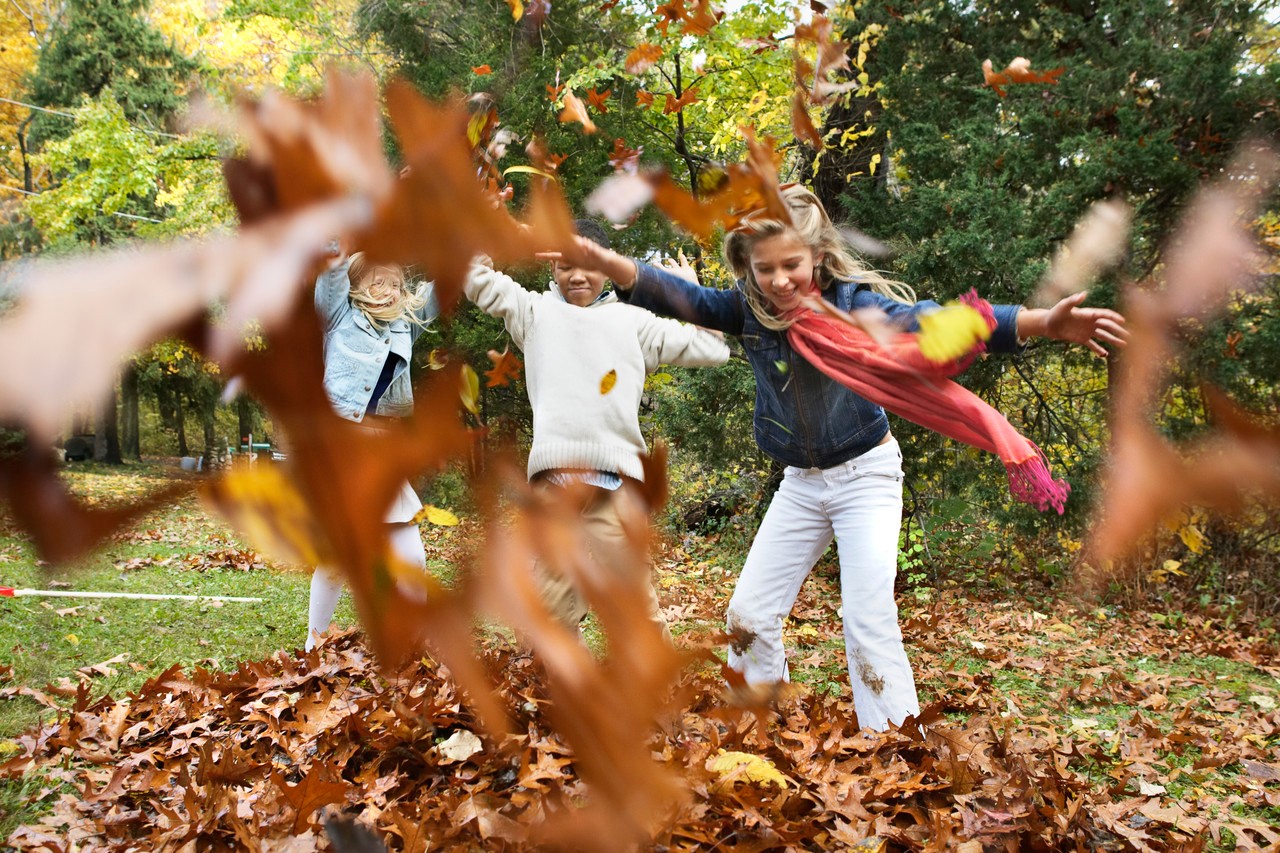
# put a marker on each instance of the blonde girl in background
(370, 316)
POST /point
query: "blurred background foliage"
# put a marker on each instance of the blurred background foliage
(965, 187)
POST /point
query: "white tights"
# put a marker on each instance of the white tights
(326, 583)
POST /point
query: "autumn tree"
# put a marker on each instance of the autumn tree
(974, 186)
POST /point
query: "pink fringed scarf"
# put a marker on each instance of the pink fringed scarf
(899, 378)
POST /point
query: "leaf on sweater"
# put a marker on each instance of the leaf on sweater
(608, 381)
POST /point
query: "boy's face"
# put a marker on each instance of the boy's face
(578, 286)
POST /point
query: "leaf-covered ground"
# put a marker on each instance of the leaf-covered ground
(1048, 726)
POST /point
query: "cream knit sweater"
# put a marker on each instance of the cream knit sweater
(580, 418)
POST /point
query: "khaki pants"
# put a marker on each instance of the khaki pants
(602, 513)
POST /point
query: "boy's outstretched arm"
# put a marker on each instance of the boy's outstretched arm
(1067, 321)
(499, 295)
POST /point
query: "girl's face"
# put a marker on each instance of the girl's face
(381, 285)
(783, 266)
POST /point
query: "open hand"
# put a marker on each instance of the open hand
(1093, 327)
(679, 265)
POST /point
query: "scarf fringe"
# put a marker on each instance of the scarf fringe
(1031, 482)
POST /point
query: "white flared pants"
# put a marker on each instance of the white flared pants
(859, 504)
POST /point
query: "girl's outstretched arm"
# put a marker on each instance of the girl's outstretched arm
(1067, 321)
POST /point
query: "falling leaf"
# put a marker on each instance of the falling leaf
(1096, 243)
(643, 98)
(675, 105)
(436, 515)
(730, 767)
(506, 367)
(470, 390)
(481, 70)
(1018, 71)
(553, 92)
(802, 124)
(608, 381)
(437, 359)
(597, 100)
(575, 110)
(528, 170)
(517, 9)
(265, 504)
(642, 58)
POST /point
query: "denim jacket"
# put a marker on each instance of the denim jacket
(355, 350)
(802, 417)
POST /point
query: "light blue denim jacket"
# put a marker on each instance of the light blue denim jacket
(355, 350)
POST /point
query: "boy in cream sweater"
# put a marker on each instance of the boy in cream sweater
(586, 357)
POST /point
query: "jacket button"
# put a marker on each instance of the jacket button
(368, 387)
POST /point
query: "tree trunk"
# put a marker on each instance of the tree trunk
(106, 436)
(209, 423)
(180, 423)
(246, 417)
(130, 441)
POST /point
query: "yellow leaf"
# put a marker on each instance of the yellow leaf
(72, 639)
(470, 390)
(731, 767)
(1195, 541)
(608, 381)
(1174, 567)
(806, 630)
(436, 515)
(517, 9)
(265, 505)
(951, 332)
(437, 359)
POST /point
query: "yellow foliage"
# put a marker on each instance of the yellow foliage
(951, 332)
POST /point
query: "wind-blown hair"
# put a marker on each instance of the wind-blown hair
(382, 294)
(810, 222)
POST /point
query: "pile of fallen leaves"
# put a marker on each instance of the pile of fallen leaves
(262, 757)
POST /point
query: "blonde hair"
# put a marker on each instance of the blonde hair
(809, 222)
(381, 292)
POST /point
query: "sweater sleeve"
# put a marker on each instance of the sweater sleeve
(499, 295)
(668, 295)
(1003, 339)
(332, 291)
(665, 341)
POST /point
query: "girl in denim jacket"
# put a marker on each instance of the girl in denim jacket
(843, 468)
(370, 317)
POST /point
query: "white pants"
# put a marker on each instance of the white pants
(859, 503)
(326, 583)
